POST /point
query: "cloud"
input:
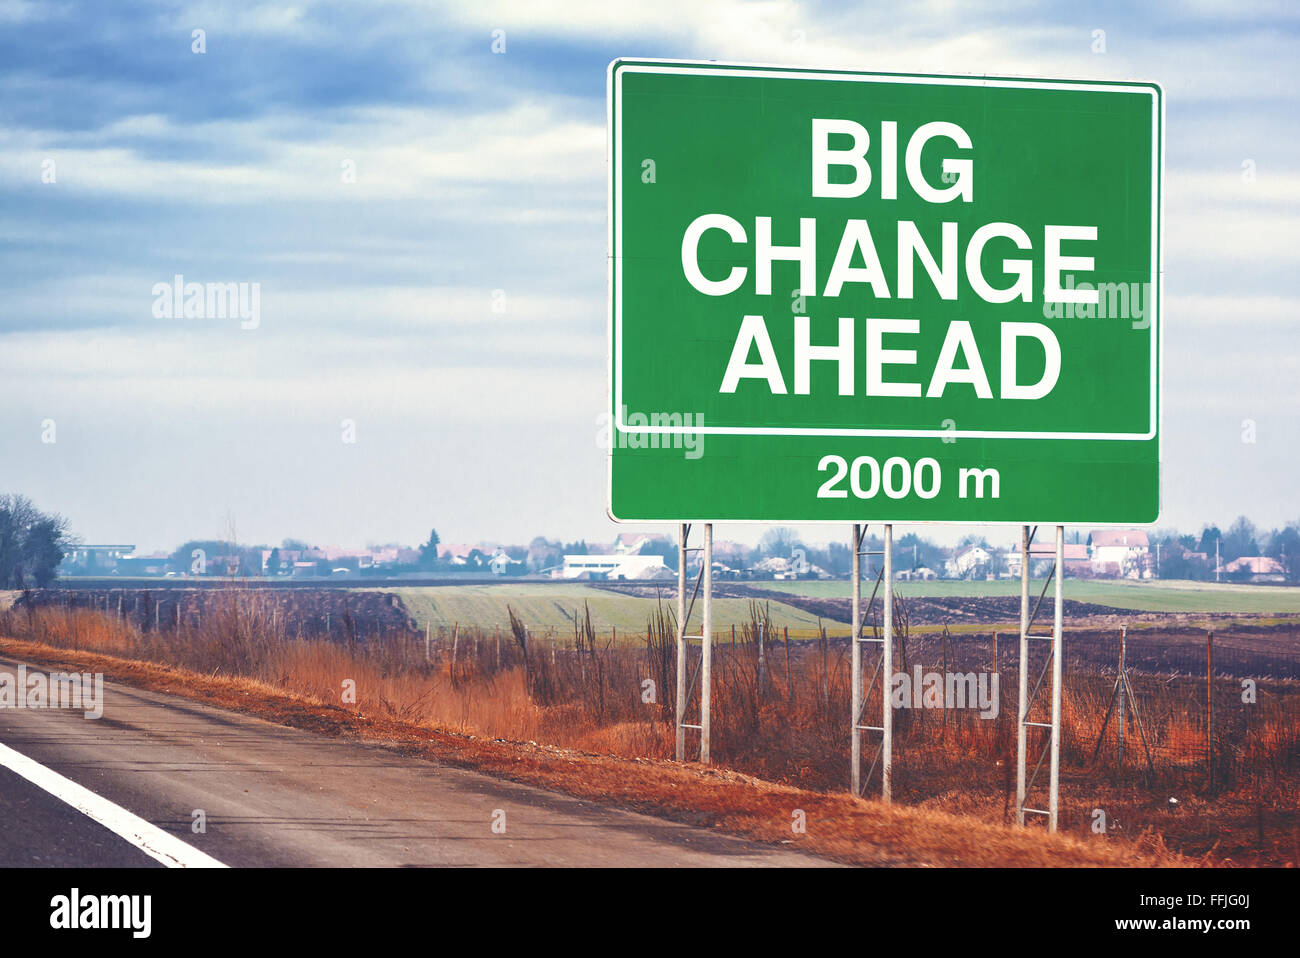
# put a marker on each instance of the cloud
(477, 172)
(385, 153)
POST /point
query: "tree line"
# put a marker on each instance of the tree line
(32, 544)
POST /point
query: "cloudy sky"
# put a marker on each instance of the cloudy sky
(425, 219)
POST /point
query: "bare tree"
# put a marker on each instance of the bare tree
(32, 543)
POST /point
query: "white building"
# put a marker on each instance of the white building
(912, 575)
(1119, 552)
(630, 543)
(613, 567)
(966, 560)
(1040, 560)
(502, 564)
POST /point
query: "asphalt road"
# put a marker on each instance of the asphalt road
(275, 796)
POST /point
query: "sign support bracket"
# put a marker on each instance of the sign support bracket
(1052, 747)
(884, 668)
(704, 583)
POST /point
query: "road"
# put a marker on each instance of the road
(276, 796)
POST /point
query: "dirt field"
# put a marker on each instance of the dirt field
(956, 610)
(1154, 595)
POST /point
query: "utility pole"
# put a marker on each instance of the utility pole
(1122, 695)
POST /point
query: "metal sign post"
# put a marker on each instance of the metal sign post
(685, 686)
(680, 697)
(855, 676)
(884, 667)
(831, 410)
(1052, 747)
(887, 672)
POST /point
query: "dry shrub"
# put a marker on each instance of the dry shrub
(780, 709)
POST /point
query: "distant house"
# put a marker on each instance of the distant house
(1042, 557)
(1256, 569)
(393, 555)
(155, 564)
(966, 560)
(363, 559)
(457, 554)
(94, 559)
(778, 567)
(293, 562)
(1122, 553)
(1077, 560)
(631, 543)
(502, 564)
(916, 575)
(733, 552)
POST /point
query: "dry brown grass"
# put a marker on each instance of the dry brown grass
(852, 831)
(788, 731)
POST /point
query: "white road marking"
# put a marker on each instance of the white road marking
(147, 837)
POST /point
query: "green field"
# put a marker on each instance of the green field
(546, 607)
(1164, 596)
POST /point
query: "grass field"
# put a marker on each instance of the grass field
(546, 607)
(1163, 596)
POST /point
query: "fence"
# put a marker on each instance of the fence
(780, 700)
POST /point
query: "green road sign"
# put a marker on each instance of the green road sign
(856, 296)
